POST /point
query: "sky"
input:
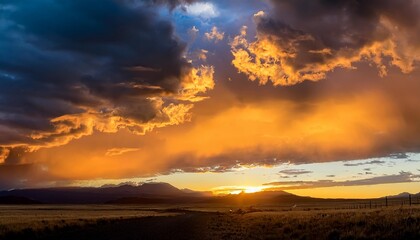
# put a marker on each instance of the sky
(314, 97)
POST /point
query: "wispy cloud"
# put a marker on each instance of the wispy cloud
(397, 178)
(399, 155)
(364, 163)
(119, 151)
(294, 172)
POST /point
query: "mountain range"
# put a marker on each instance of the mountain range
(155, 193)
(91, 195)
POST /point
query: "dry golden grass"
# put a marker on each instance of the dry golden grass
(137, 222)
(18, 217)
(319, 224)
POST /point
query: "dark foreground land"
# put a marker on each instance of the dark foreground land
(134, 222)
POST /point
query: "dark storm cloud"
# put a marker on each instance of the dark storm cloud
(106, 60)
(339, 24)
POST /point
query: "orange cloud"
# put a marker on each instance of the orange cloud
(286, 56)
(197, 82)
(266, 133)
(4, 152)
(119, 151)
(74, 126)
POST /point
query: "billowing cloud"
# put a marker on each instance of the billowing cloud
(305, 39)
(71, 68)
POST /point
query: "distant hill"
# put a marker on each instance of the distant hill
(242, 198)
(264, 197)
(404, 195)
(89, 195)
(16, 200)
(258, 198)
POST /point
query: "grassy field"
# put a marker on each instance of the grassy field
(161, 222)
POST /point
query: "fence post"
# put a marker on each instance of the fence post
(409, 198)
(386, 201)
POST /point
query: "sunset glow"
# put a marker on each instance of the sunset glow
(316, 98)
(238, 189)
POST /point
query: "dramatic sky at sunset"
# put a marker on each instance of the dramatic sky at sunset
(315, 97)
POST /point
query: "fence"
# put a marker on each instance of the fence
(409, 200)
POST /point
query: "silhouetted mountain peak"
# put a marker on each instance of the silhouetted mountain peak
(159, 188)
(404, 195)
(401, 195)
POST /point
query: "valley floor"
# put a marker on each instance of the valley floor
(136, 222)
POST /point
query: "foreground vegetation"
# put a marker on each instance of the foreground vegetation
(112, 222)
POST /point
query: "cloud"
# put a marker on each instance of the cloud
(377, 162)
(72, 68)
(412, 160)
(170, 3)
(399, 155)
(204, 10)
(119, 151)
(193, 32)
(199, 82)
(25, 175)
(4, 153)
(305, 39)
(200, 54)
(214, 35)
(294, 172)
(402, 177)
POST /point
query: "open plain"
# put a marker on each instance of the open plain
(205, 222)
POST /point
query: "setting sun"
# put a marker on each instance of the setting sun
(238, 189)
